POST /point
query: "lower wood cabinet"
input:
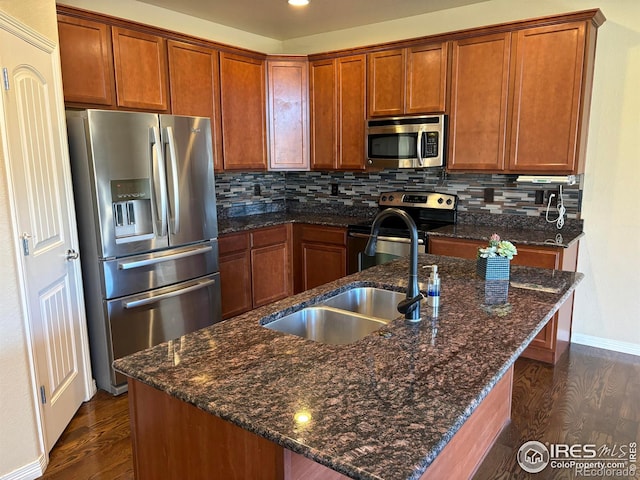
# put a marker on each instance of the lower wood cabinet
(320, 255)
(255, 268)
(554, 338)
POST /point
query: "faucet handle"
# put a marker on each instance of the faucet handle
(408, 305)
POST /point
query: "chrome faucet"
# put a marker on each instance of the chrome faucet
(410, 307)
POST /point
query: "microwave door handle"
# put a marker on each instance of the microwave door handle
(158, 181)
(419, 147)
(174, 204)
(151, 299)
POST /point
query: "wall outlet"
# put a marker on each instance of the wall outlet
(553, 194)
(257, 190)
(539, 197)
(488, 195)
(334, 189)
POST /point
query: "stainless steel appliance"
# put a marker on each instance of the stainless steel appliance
(429, 210)
(146, 211)
(406, 142)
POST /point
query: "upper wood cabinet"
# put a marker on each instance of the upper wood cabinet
(86, 57)
(288, 113)
(407, 80)
(243, 105)
(338, 108)
(479, 93)
(322, 107)
(520, 100)
(140, 62)
(548, 105)
(195, 90)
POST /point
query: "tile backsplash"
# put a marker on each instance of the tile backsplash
(237, 193)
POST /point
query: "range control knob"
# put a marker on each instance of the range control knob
(391, 198)
(384, 198)
(440, 200)
(449, 201)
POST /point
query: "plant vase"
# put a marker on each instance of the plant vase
(493, 268)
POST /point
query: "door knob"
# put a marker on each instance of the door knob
(72, 254)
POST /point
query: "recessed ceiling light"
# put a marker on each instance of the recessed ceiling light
(298, 3)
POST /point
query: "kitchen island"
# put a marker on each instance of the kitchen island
(385, 407)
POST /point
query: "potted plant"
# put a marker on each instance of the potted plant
(494, 260)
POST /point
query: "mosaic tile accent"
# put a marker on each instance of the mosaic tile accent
(236, 194)
(298, 191)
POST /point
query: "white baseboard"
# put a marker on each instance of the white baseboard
(30, 471)
(598, 342)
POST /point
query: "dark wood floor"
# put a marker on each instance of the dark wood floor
(591, 396)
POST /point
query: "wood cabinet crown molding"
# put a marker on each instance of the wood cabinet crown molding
(594, 15)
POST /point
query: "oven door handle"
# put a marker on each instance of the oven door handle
(385, 239)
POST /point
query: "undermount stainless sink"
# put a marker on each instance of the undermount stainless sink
(344, 318)
(369, 301)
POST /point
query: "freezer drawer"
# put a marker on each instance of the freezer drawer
(139, 273)
(137, 322)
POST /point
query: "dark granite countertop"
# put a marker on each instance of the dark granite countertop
(382, 407)
(515, 228)
(239, 224)
(517, 235)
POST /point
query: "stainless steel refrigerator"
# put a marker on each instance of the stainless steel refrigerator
(146, 211)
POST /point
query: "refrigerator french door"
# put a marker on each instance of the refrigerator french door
(145, 201)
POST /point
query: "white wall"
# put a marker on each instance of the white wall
(19, 441)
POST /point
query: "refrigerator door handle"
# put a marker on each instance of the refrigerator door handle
(148, 299)
(158, 181)
(174, 203)
(131, 264)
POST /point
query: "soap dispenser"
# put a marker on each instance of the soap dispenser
(433, 288)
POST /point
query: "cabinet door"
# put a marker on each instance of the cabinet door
(386, 84)
(455, 248)
(322, 263)
(319, 255)
(86, 58)
(271, 273)
(288, 115)
(270, 264)
(547, 96)
(140, 62)
(322, 103)
(351, 111)
(426, 78)
(193, 75)
(235, 274)
(479, 88)
(243, 103)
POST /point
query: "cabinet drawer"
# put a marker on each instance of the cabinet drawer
(234, 242)
(268, 236)
(537, 257)
(331, 235)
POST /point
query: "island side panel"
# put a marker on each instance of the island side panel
(175, 440)
(464, 453)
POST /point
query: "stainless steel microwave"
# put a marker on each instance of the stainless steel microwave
(406, 142)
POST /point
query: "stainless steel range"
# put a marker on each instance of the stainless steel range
(429, 210)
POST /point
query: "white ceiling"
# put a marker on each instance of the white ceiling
(278, 20)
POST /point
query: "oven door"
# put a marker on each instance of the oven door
(388, 248)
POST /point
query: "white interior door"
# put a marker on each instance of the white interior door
(45, 223)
